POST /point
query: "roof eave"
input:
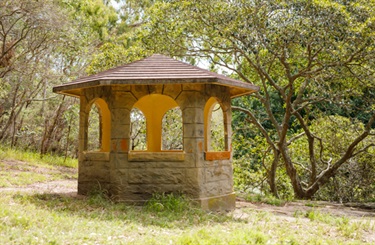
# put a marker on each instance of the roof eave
(237, 89)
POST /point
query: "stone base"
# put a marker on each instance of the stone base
(215, 203)
(218, 203)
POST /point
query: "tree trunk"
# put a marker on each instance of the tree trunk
(292, 172)
(46, 140)
(272, 174)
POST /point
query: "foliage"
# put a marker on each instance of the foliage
(353, 180)
(217, 137)
(172, 130)
(308, 58)
(93, 131)
(43, 44)
(138, 130)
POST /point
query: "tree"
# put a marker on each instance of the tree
(304, 55)
(42, 44)
(124, 45)
(27, 37)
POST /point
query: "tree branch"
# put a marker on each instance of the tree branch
(257, 124)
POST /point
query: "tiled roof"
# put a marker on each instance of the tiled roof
(156, 69)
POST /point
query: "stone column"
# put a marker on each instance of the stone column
(122, 101)
(191, 101)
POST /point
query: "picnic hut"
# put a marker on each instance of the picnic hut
(156, 131)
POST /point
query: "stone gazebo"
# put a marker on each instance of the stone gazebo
(155, 85)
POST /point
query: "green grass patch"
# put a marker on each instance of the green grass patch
(351, 229)
(35, 158)
(12, 179)
(18, 168)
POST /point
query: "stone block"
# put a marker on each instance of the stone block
(120, 145)
(217, 188)
(122, 100)
(193, 115)
(226, 105)
(156, 176)
(192, 177)
(139, 91)
(103, 92)
(167, 156)
(141, 193)
(120, 131)
(193, 87)
(155, 89)
(172, 90)
(120, 116)
(162, 164)
(119, 160)
(93, 171)
(95, 156)
(191, 159)
(194, 145)
(193, 130)
(216, 90)
(218, 172)
(121, 88)
(191, 99)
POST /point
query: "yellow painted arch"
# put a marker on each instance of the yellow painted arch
(154, 106)
(105, 123)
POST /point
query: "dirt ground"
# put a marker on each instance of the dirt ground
(290, 209)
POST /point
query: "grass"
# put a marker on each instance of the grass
(47, 218)
(20, 168)
(35, 159)
(269, 199)
(57, 219)
(9, 179)
(348, 228)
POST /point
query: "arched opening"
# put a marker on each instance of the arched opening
(99, 126)
(138, 140)
(216, 139)
(154, 108)
(172, 130)
(216, 129)
(94, 133)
